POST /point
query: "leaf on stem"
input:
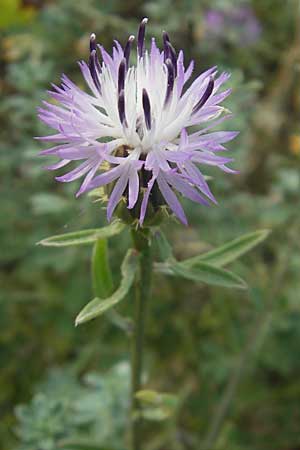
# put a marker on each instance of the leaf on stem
(83, 237)
(229, 252)
(164, 248)
(98, 306)
(208, 274)
(101, 272)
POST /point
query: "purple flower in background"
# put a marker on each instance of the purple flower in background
(239, 23)
(132, 128)
(214, 20)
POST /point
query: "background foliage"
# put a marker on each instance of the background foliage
(231, 357)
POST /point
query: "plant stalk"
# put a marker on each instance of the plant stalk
(142, 294)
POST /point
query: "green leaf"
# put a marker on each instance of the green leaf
(83, 237)
(98, 306)
(157, 406)
(208, 274)
(103, 283)
(101, 273)
(229, 252)
(164, 247)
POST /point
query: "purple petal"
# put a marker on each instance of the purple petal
(119, 48)
(220, 137)
(180, 73)
(198, 179)
(171, 199)
(104, 178)
(221, 80)
(85, 185)
(116, 194)
(184, 187)
(78, 172)
(57, 165)
(133, 188)
(189, 71)
(52, 138)
(209, 127)
(210, 159)
(155, 55)
(76, 153)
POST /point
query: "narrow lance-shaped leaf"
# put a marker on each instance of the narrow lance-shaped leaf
(164, 247)
(101, 273)
(208, 274)
(98, 306)
(103, 282)
(83, 237)
(229, 252)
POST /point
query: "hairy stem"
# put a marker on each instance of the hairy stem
(142, 294)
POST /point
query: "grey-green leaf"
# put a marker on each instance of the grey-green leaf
(229, 252)
(163, 245)
(83, 237)
(103, 282)
(101, 272)
(98, 306)
(208, 274)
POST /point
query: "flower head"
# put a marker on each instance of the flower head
(131, 130)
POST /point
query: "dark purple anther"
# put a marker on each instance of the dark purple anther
(127, 49)
(172, 55)
(121, 75)
(141, 37)
(92, 42)
(93, 66)
(121, 108)
(166, 39)
(93, 46)
(205, 96)
(147, 109)
(170, 83)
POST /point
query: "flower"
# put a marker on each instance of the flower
(133, 126)
(239, 25)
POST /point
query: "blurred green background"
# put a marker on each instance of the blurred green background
(231, 357)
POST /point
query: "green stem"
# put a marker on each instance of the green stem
(142, 294)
